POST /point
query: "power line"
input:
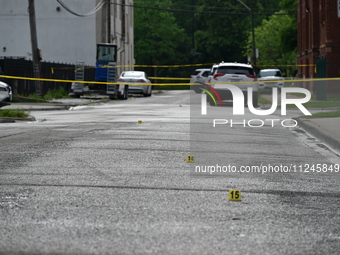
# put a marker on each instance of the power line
(203, 12)
(101, 3)
(208, 7)
(97, 8)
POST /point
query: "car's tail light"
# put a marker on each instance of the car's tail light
(120, 79)
(217, 74)
(141, 80)
(252, 77)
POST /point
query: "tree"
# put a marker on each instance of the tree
(276, 42)
(158, 38)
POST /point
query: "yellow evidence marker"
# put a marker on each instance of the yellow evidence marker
(190, 159)
(234, 195)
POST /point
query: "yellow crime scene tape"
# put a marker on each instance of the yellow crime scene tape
(156, 84)
(93, 82)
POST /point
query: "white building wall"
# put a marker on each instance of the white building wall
(124, 41)
(62, 36)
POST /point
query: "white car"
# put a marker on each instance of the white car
(269, 78)
(5, 94)
(76, 90)
(127, 78)
(199, 76)
(237, 74)
(211, 73)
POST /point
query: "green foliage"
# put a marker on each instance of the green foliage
(289, 4)
(159, 40)
(210, 31)
(276, 41)
(56, 93)
(219, 37)
(32, 98)
(332, 114)
(10, 113)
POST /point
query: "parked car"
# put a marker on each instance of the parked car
(130, 77)
(5, 94)
(236, 74)
(269, 78)
(199, 76)
(211, 73)
(77, 90)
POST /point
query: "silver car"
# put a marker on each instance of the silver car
(5, 94)
(269, 78)
(131, 77)
(199, 76)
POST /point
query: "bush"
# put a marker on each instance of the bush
(9, 113)
(56, 93)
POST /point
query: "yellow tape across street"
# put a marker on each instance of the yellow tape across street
(156, 84)
(92, 82)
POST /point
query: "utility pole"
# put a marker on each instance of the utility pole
(252, 31)
(35, 49)
(106, 22)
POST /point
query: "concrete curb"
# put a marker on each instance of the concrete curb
(15, 119)
(37, 107)
(317, 132)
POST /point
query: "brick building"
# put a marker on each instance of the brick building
(319, 39)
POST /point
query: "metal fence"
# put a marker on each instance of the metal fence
(21, 67)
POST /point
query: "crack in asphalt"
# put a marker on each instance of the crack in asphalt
(253, 191)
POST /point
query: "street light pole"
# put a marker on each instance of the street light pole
(35, 49)
(253, 37)
(252, 32)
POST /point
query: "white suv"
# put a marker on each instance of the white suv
(236, 74)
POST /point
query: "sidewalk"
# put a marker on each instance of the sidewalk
(326, 130)
(57, 105)
(36, 106)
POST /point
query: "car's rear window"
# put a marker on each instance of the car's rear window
(270, 73)
(206, 73)
(235, 70)
(196, 72)
(132, 75)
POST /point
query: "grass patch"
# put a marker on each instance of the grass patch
(321, 104)
(313, 103)
(173, 87)
(9, 113)
(56, 93)
(332, 114)
(263, 100)
(32, 98)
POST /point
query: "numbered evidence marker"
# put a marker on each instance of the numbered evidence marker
(190, 159)
(234, 195)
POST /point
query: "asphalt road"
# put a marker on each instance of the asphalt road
(92, 180)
